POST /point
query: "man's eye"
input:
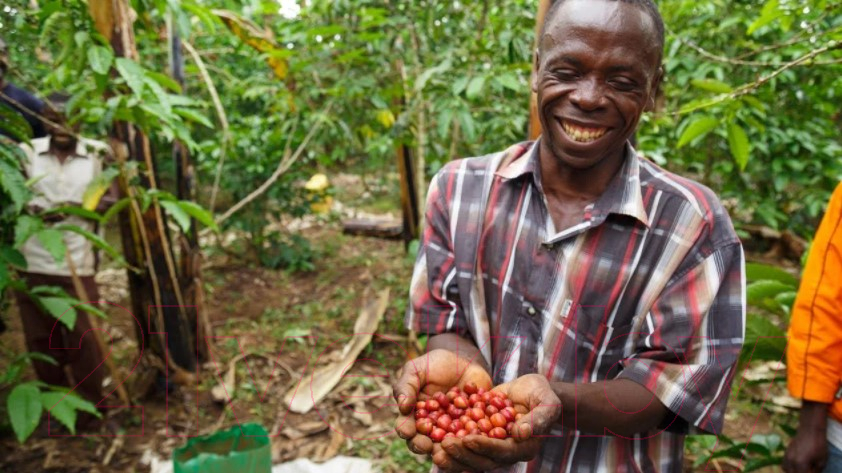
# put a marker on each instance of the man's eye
(565, 75)
(623, 84)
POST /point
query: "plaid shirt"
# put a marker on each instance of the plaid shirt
(648, 287)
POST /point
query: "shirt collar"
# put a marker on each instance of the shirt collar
(623, 196)
(42, 147)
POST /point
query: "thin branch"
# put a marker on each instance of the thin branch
(739, 62)
(285, 163)
(751, 87)
(223, 119)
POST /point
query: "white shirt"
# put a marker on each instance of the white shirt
(834, 432)
(58, 183)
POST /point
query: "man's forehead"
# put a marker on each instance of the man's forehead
(586, 16)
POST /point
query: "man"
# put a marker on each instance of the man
(814, 352)
(63, 165)
(18, 99)
(597, 290)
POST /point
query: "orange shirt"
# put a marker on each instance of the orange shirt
(814, 351)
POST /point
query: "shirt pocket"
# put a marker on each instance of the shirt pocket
(600, 347)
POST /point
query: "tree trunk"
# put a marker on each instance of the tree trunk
(535, 122)
(157, 299)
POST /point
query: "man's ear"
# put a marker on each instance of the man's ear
(655, 89)
(536, 63)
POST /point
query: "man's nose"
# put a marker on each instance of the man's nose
(588, 95)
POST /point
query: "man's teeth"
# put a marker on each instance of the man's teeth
(583, 135)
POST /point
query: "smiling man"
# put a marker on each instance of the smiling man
(597, 290)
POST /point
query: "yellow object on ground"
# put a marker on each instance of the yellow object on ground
(318, 186)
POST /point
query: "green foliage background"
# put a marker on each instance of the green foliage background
(750, 105)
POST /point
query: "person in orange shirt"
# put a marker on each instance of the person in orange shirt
(814, 352)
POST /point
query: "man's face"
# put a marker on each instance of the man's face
(59, 133)
(598, 67)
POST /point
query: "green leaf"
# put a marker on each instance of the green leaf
(764, 341)
(13, 257)
(160, 94)
(59, 409)
(712, 85)
(24, 407)
(181, 217)
(80, 404)
(100, 58)
(25, 227)
(738, 142)
(165, 81)
(75, 210)
(193, 116)
(758, 271)
(15, 124)
(475, 87)
(132, 73)
(510, 81)
(771, 11)
(196, 211)
(14, 185)
(53, 243)
(115, 209)
(758, 291)
(700, 126)
(459, 85)
(61, 308)
(5, 279)
(425, 76)
(95, 239)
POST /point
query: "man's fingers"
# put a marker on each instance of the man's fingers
(444, 461)
(457, 450)
(502, 451)
(420, 444)
(406, 387)
(405, 427)
(542, 417)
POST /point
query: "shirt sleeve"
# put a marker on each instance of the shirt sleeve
(814, 351)
(435, 306)
(689, 344)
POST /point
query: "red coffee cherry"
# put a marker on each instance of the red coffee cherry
(460, 402)
(456, 426)
(498, 402)
(471, 388)
(420, 405)
(497, 433)
(477, 414)
(437, 434)
(490, 411)
(498, 420)
(508, 413)
(421, 414)
(424, 426)
(485, 425)
(434, 415)
(443, 422)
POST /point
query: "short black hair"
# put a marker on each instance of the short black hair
(648, 6)
(58, 101)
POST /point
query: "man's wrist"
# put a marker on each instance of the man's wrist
(813, 416)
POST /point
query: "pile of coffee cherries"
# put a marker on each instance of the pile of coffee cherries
(472, 411)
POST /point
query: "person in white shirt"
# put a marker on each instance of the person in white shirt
(62, 166)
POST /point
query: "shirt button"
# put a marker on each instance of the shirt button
(531, 310)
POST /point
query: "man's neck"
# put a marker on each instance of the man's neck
(62, 152)
(568, 183)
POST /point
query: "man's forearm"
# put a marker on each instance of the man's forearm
(813, 417)
(464, 347)
(620, 407)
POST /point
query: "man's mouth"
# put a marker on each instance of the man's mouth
(582, 134)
